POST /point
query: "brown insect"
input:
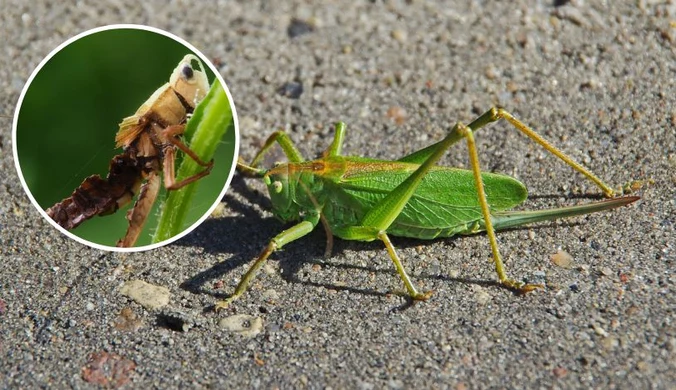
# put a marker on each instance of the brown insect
(149, 139)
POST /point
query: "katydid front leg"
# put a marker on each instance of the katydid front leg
(293, 154)
(281, 138)
(283, 238)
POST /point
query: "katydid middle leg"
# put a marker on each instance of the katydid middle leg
(375, 223)
(485, 211)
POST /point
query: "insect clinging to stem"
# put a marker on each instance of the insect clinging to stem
(149, 140)
(356, 198)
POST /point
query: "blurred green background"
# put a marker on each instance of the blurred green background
(70, 115)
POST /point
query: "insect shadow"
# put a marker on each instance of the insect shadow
(241, 236)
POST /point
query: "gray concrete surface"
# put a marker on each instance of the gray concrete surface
(597, 78)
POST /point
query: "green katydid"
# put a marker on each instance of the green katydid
(363, 199)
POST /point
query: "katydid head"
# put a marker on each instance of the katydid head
(281, 193)
(189, 79)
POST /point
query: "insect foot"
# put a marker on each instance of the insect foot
(221, 305)
(520, 287)
(422, 296)
(417, 296)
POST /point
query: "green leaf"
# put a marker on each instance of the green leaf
(205, 129)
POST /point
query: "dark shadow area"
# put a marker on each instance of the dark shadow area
(171, 322)
(244, 236)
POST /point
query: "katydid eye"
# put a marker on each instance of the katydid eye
(277, 186)
(187, 72)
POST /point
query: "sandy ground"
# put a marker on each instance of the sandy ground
(596, 78)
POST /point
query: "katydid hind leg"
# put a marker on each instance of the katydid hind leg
(485, 211)
(283, 238)
(496, 113)
(383, 214)
(138, 214)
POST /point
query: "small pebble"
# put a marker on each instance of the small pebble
(400, 35)
(128, 321)
(562, 259)
(398, 114)
(292, 90)
(269, 269)
(560, 372)
(600, 331)
(481, 296)
(271, 295)
(643, 366)
(108, 370)
(299, 27)
(145, 294)
(632, 310)
(219, 210)
(242, 324)
(609, 343)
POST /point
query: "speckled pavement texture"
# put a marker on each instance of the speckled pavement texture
(597, 78)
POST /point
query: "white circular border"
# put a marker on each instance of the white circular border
(204, 59)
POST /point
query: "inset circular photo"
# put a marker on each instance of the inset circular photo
(125, 138)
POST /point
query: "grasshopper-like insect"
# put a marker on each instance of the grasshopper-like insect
(363, 199)
(149, 139)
